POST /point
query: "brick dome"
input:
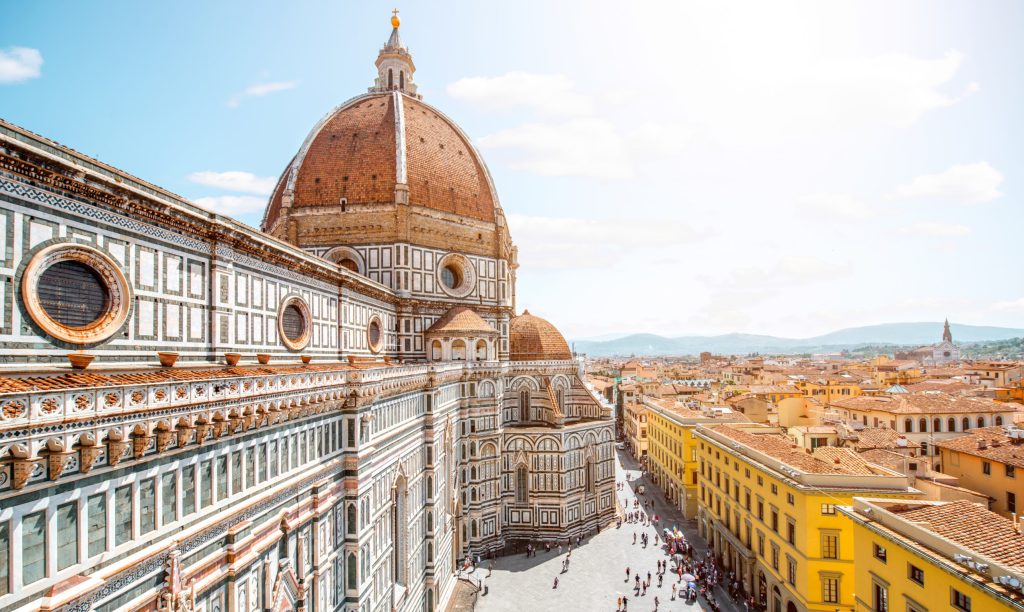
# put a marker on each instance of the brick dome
(374, 154)
(534, 339)
(360, 153)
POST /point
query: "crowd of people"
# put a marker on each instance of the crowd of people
(692, 577)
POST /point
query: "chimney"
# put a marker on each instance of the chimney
(981, 444)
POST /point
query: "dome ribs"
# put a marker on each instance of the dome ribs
(358, 143)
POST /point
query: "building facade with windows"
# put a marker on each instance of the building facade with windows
(768, 509)
(382, 412)
(921, 556)
(926, 417)
(986, 460)
(672, 448)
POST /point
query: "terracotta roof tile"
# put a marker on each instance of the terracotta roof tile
(997, 445)
(533, 338)
(461, 319)
(824, 460)
(929, 402)
(969, 525)
(78, 380)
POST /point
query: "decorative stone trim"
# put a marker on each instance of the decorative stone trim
(118, 288)
(466, 270)
(307, 323)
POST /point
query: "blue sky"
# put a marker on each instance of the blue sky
(668, 167)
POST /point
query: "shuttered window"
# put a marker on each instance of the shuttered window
(73, 294)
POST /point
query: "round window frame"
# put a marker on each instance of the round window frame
(307, 329)
(466, 270)
(119, 293)
(379, 346)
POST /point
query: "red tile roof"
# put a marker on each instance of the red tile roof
(969, 525)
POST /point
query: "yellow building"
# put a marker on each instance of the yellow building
(635, 425)
(767, 508)
(888, 372)
(829, 388)
(772, 394)
(672, 449)
(986, 460)
(920, 556)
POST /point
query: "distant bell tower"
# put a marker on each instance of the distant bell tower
(394, 65)
(947, 336)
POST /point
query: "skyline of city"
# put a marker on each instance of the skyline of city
(342, 372)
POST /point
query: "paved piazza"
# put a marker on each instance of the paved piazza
(597, 569)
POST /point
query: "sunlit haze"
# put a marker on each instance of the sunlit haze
(697, 168)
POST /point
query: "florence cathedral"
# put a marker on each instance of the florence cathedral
(326, 414)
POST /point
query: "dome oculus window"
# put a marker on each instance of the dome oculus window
(76, 293)
(374, 334)
(293, 322)
(456, 275)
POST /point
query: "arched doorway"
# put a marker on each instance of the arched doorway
(791, 607)
(776, 599)
(762, 589)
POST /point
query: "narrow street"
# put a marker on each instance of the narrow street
(597, 568)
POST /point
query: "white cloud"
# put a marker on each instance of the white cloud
(841, 205)
(232, 205)
(894, 89)
(547, 94)
(942, 230)
(962, 184)
(567, 243)
(19, 64)
(577, 147)
(235, 180)
(257, 90)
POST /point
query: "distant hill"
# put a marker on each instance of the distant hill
(917, 334)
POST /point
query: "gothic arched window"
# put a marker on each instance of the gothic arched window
(522, 484)
(524, 405)
(399, 529)
(391, 78)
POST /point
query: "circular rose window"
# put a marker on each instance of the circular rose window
(75, 293)
(294, 324)
(456, 275)
(374, 334)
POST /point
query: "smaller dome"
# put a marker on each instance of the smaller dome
(534, 339)
(461, 321)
